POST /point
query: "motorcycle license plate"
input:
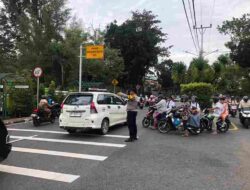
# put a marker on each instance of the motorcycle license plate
(33, 115)
(75, 114)
(234, 107)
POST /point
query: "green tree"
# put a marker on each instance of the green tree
(239, 44)
(179, 73)
(52, 88)
(164, 74)
(139, 40)
(36, 24)
(200, 71)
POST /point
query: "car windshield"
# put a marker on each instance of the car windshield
(79, 99)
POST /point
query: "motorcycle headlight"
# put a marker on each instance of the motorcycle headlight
(245, 115)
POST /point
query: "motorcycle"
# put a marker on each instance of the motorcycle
(141, 104)
(223, 125)
(57, 109)
(149, 119)
(4, 142)
(178, 120)
(40, 116)
(245, 117)
(171, 122)
(233, 110)
(206, 121)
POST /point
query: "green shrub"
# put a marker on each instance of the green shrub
(203, 91)
(21, 102)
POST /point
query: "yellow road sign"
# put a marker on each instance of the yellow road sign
(115, 82)
(95, 52)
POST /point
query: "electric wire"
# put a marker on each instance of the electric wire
(195, 22)
(192, 16)
(189, 24)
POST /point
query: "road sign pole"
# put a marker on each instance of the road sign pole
(80, 70)
(37, 92)
(114, 89)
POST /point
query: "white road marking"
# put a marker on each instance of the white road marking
(70, 141)
(61, 132)
(67, 178)
(57, 153)
(21, 139)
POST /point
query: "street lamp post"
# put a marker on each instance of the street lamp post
(80, 70)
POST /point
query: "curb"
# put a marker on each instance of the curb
(17, 121)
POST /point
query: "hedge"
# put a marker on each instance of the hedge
(203, 91)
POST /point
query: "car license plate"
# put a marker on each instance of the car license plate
(75, 114)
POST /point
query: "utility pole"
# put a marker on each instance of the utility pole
(202, 31)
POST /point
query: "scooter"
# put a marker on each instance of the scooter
(223, 125)
(39, 116)
(206, 121)
(233, 110)
(141, 104)
(178, 120)
(171, 122)
(5, 145)
(149, 120)
(245, 117)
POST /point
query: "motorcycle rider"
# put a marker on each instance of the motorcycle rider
(194, 103)
(44, 106)
(194, 116)
(244, 103)
(161, 108)
(218, 110)
(170, 103)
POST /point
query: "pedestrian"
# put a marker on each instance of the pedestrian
(131, 114)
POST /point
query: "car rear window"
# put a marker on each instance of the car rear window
(79, 99)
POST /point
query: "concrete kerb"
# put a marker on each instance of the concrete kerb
(17, 120)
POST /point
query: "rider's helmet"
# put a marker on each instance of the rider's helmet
(44, 97)
(245, 98)
(185, 98)
(215, 99)
(193, 98)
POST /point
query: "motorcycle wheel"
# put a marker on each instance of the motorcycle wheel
(195, 131)
(145, 122)
(164, 127)
(36, 122)
(223, 128)
(246, 123)
(52, 120)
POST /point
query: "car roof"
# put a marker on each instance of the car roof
(91, 92)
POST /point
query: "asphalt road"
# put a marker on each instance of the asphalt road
(50, 159)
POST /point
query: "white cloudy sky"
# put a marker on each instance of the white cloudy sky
(172, 16)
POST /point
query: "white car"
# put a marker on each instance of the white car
(94, 110)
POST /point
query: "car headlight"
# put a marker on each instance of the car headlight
(245, 115)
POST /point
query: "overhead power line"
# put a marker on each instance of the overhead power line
(189, 24)
(195, 25)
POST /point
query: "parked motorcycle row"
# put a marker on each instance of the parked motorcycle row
(178, 120)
